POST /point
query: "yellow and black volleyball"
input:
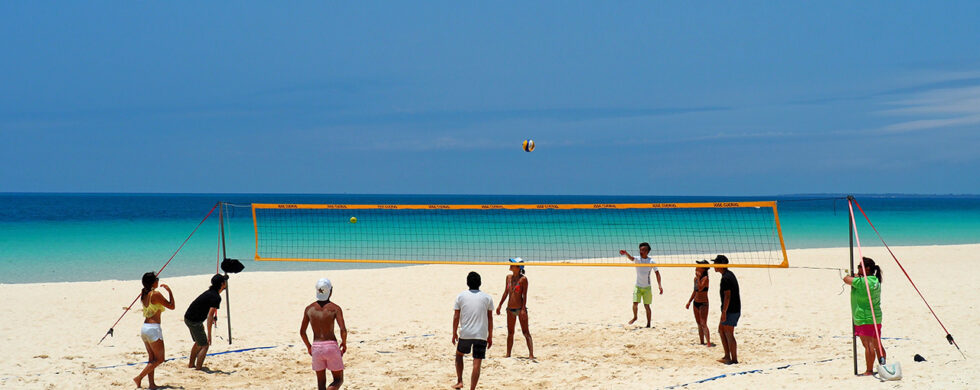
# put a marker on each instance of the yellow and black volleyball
(529, 145)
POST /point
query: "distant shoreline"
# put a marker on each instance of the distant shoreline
(898, 250)
(827, 195)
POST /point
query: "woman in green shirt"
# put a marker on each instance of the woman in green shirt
(867, 315)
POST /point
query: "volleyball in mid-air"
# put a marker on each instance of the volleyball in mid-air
(353, 219)
(529, 145)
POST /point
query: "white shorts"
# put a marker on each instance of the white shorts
(150, 333)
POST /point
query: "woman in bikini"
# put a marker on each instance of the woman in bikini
(700, 298)
(151, 333)
(515, 294)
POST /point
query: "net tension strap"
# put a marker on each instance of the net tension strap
(949, 337)
(111, 328)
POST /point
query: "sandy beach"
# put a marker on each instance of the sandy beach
(793, 333)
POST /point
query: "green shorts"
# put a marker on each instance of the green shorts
(643, 293)
(197, 332)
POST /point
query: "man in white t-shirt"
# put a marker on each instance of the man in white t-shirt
(475, 309)
(643, 291)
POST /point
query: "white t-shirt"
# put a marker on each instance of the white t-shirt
(473, 306)
(643, 273)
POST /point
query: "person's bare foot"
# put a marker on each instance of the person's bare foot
(531, 357)
(724, 360)
(631, 321)
(648, 324)
(869, 373)
(139, 382)
(711, 345)
(507, 356)
(458, 385)
(730, 362)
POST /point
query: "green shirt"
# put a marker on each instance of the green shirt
(860, 308)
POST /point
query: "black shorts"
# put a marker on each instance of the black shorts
(479, 347)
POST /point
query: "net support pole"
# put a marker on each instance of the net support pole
(850, 327)
(224, 255)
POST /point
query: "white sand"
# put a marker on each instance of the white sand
(400, 319)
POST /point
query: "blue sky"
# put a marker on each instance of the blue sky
(742, 98)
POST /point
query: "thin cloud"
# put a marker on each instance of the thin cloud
(928, 124)
(935, 109)
(462, 117)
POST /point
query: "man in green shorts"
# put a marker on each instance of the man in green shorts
(203, 308)
(643, 290)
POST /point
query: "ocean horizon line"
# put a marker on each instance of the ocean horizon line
(252, 262)
(827, 195)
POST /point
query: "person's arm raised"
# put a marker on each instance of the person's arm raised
(167, 303)
(627, 254)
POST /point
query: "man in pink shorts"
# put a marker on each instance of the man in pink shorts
(327, 355)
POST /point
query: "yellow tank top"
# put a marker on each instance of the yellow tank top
(153, 309)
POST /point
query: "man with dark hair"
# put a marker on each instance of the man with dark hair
(643, 291)
(205, 307)
(475, 309)
(731, 310)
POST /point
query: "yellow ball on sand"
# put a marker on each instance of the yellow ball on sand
(353, 219)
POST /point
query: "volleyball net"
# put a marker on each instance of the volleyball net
(679, 234)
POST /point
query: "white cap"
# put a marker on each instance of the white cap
(323, 289)
(517, 260)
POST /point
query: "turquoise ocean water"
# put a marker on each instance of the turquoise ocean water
(85, 237)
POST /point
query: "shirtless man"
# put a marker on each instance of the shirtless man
(324, 350)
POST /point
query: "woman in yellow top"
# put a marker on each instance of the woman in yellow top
(153, 304)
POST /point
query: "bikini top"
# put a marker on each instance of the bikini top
(153, 310)
(705, 289)
(517, 286)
